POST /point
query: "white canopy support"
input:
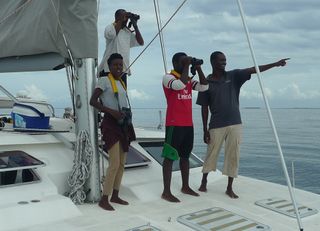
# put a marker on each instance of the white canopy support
(159, 24)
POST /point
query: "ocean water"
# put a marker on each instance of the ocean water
(298, 131)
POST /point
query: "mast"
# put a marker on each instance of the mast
(86, 120)
(70, 40)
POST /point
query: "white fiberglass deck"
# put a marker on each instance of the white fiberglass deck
(162, 215)
(142, 188)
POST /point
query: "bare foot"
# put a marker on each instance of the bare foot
(169, 197)
(104, 203)
(118, 200)
(189, 191)
(203, 188)
(231, 194)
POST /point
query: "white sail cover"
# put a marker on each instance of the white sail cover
(31, 27)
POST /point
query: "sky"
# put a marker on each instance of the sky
(278, 29)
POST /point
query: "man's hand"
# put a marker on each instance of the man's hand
(198, 68)
(282, 62)
(206, 137)
(134, 23)
(116, 114)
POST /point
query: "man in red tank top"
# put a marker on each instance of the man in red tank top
(178, 86)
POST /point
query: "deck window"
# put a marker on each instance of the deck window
(17, 167)
(155, 150)
(134, 158)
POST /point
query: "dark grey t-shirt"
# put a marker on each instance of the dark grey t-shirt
(222, 97)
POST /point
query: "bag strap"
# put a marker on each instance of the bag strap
(114, 85)
(115, 89)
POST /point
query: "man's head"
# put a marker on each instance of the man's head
(115, 63)
(218, 61)
(177, 61)
(121, 16)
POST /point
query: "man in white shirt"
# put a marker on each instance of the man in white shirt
(119, 39)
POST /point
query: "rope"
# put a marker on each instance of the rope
(71, 86)
(270, 117)
(81, 167)
(15, 11)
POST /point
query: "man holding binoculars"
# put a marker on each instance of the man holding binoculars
(119, 39)
(178, 86)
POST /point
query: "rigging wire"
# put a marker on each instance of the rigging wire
(146, 47)
(71, 75)
(98, 10)
(71, 86)
(100, 115)
(158, 17)
(63, 35)
(162, 36)
(270, 117)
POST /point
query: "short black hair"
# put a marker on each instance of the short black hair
(177, 56)
(118, 13)
(113, 57)
(214, 55)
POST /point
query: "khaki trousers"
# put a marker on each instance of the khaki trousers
(117, 160)
(231, 135)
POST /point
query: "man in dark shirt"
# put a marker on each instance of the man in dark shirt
(222, 98)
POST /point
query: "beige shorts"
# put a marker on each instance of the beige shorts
(231, 136)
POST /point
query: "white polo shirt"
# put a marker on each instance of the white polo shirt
(118, 43)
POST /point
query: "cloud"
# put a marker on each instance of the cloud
(139, 95)
(279, 29)
(250, 94)
(32, 92)
(292, 91)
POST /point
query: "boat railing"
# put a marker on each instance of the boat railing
(292, 175)
(11, 100)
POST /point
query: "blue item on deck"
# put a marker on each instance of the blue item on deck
(28, 116)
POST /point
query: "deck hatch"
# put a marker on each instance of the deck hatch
(155, 150)
(219, 219)
(17, 167)
(17, 160)
(144, 228)
(285, 207)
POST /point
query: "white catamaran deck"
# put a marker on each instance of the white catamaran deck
(163, 215)
(42, 206)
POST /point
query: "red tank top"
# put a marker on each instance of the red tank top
(179, 106)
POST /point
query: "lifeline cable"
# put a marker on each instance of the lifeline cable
(156, 35)
(158, 17)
